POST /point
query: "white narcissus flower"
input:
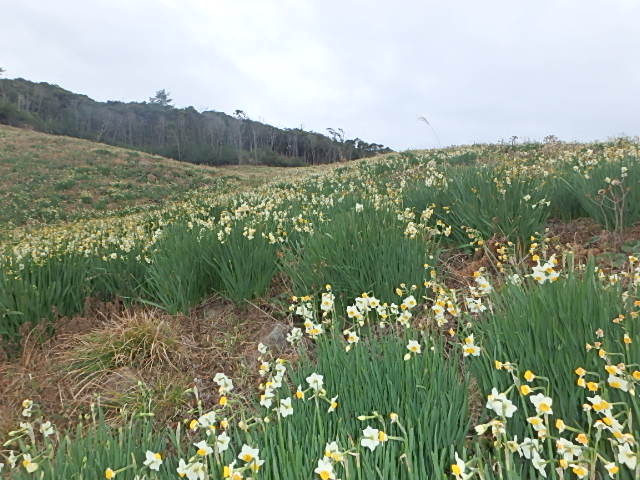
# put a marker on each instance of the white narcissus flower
(248, 454)
(362, 304)
(627, 456)
(207, 420)
(315, 381)
(542, 404)
(27, 405)
(475, 305)
(27, 427)
(612, 469)
(29, 465)
(459, 469)
(13, 458)
(414, 347)
(374, 302)
(224, 382)
(568, 449)
(266, 399)
(539, 463)
(280, 368)
(326, 304)
(46, 429)
(183, 468)
(409, 302)
(229, 471)
(513, 446)
(256, 464)
(482, 428)
(618, 382)
(332, 451)
(352, 337)
(581, 471)
(333, 404)
(529, 448)
(470, 349)
(353, 312)
(222, 442)
(600, 405)
(153, 460)
(325, 469)
(304, 312)
(294, 336)
(370, 438)
(263, 369)
(500, 404)
(314, 330)
(203, 448)
(515, 279)
(483, 285)
(538, 424)
(193, 471)
(404, 318)
(539, 274)
(285, 407)
(276, 381)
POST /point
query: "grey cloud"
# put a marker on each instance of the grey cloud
(480, 71)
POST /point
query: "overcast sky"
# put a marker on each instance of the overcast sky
(478, 70)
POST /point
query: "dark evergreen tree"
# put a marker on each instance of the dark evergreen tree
(161, 98)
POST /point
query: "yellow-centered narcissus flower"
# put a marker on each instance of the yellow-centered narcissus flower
(542, 404)
(153, 460)
(612, 468)
(29, 465)
(580, 470)
(458, 468)
(582, 439)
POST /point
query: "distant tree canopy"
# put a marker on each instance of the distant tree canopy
(209, 137)
(161, 98)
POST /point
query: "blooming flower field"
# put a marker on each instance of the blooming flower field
(523, 363)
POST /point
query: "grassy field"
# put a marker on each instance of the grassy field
(469, 312)
(49, 178)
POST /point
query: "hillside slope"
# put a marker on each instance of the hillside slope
(44, 178)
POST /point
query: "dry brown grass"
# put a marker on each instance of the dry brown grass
(136, 359)
(122, 350)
